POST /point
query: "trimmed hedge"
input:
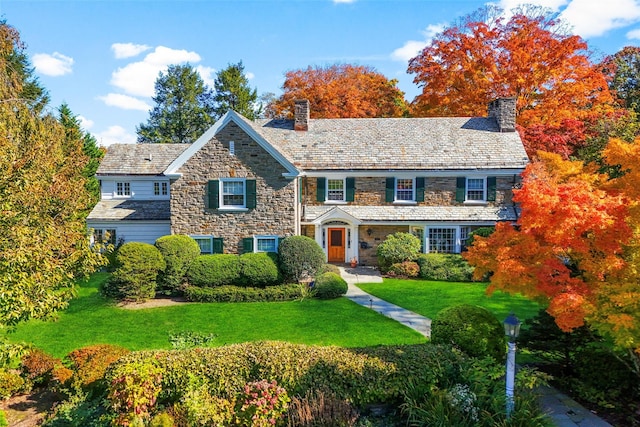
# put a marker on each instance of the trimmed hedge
(137, 267)
(229, 293)
(404, 269)
(300, 257)
(330, 285)
(259, 269)
(445, 268)
(396, 248)
(214, 270)
(473, 329)
(178, 252)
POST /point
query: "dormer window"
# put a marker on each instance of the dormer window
(160, 188)
(123, 189)
(335, 190)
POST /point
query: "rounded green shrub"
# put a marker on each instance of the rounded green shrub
(300, 257)
(259, 269)
(330, 285)
(134, 278)
(473, 329)
(481, 231)
(397, 248)
(178, 252)
(329, 268)
(214, 270)
(10, 383)
(444, 267)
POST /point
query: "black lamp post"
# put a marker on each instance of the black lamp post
(511, 330)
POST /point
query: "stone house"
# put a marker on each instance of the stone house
(347, 183)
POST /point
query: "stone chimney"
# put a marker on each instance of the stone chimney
(504, 111)
(301, 115)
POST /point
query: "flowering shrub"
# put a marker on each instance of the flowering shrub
(464, 400)
(262, 403)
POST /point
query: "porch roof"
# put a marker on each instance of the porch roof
(417, 213)
(135, 210)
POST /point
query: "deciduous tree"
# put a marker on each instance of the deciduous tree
(184, 108)
(43, 240)
(341, 91)
(233, 93)
(623, 71)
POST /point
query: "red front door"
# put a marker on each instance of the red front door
(336, 247)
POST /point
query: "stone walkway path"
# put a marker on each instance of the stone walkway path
(562, 410)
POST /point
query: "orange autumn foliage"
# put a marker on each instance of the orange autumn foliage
(341, 91)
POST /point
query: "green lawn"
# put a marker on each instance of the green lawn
(90, 319)
(428, 298)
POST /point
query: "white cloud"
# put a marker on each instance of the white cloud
(128, 50)
(412, 48)
(55, 64)
(554, 5)
(207, 74)
(85, 123)
(634, 34)
(115, 135)
(125, 102)
(595, 17)
(138, 78)
(250, 76)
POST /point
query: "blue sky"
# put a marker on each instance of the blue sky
(102, 57)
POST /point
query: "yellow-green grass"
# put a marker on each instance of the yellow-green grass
(91, 319)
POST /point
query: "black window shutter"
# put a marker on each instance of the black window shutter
(420, 189)
(351, 189)
(321, 189)
(461, 188)
(390, 190)
(213, 190)
(251, 193)
(218, 245)
(491, 188)
(247, 245)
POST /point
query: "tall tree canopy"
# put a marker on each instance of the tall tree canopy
(576, 243)
(232, 92)
(341, 91)
(43, 241)
(623, 70)
(184, 108)
(528, 56)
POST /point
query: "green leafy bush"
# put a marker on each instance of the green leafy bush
(473, 329)
(3, 419)
(329, 268)
(482, 232)
(198, 407)
(229, 293)
(10, 383)
(404, 269)
(300, 257)
(398, 247)
(330, 285)
(162, 420)
(190, 339)
(134, 278)
(214, 270)
(259, 269)
(178, 252)
(444, 267)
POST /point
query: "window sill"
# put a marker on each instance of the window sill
(405, 202)
(231, 209)
(335, 202)
(476, 202)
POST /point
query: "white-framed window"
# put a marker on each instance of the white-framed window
(205, 243)
(104, 236)
(266, 244)
(405, 189)
(464, 235)
(335, 190)
(419, 233)
(233, 193)
(123, 189)
(442, 240)
(160, 188)
(476, 189)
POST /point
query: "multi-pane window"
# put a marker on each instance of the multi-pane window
(464, 235)
(123, 189)
(205, 243)
(404, 189)
(160, 188)
(233, 193)
(419, 233)
(266, 244)
(104, 236)
(475, 189)
(442, 240)
(335, 189)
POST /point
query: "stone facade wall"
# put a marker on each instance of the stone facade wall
(438, 191)
(368, 244)
(276, 196)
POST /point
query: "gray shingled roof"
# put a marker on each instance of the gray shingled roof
(417, 213)
(396, 143)
(131, 210)
(139, 159)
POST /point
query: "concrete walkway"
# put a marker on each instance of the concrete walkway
(561, 409)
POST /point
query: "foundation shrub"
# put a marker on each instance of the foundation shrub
(472, 329)
(214, 270)
(230, 293)
(259, 269)
(330, 285)
(444, 268)
(137, 267)
(408, 269)
(329, 268)
(300, 257)
(10, 383)
(90, 363)
(397, 248)
(178, 252)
